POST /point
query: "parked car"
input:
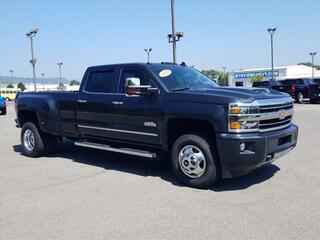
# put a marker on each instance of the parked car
(299, 89)
(147, 110)
(317, 81)
(3, 106)
(268, 84)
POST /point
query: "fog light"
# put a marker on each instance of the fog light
(242, 147)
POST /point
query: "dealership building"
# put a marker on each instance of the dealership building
(243, 76)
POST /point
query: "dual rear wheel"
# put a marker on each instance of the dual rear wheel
(36, 143)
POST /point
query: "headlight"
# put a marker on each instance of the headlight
(234, 109)
(243, 118)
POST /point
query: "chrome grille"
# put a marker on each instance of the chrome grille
(276, 116)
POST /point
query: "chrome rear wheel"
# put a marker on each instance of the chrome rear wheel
(28, 140)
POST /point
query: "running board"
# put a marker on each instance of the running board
(135, 152)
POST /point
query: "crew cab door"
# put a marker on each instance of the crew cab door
(136, 118)
(94, 102)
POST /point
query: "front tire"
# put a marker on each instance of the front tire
(193, 161)
(3, 111)
(36, 143)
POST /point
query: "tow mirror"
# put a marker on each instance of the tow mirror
(133, 87)
(132, 82)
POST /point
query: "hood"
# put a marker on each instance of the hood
(225, 95)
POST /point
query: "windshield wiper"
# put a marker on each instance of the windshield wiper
(180, 89)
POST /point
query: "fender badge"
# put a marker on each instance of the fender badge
(150, 124)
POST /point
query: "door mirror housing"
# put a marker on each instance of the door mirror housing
(132, 82)
(133, 87)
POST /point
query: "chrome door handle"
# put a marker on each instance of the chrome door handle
(117, 103)
(82, 101)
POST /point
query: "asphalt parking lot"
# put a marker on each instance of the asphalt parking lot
(89, 194)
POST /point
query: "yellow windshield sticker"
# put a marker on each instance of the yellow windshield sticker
(165, 73)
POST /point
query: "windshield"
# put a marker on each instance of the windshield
(176, 77)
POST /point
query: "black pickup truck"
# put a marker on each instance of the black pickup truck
(299, 89)
(148, 110)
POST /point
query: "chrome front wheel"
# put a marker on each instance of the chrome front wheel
(192, 161)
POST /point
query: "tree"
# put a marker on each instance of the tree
(74, 82)
(10, 85)
(221, 77)
(21, 86)
(309, 64)
(256, 78)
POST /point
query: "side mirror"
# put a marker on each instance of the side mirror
(132, 82)
(133, 87)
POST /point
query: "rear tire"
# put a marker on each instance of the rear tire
(3, 111)
(300, 97)
(35, 143)
(193, 161)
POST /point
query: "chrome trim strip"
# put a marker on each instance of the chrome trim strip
(265, 102)
(275, 107)
(274, 123)
(275, 128)
(129, 151)
(118, 130)
(260, 116)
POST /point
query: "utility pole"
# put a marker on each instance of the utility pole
(11, 73)
(42, 74)
(272, 31)
(312, 60)
(173, 27)
(148, 54)
(60, 83)
(174, 36)
(33, 60)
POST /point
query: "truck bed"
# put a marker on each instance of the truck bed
(55, 110)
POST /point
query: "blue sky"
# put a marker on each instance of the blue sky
(217, 33)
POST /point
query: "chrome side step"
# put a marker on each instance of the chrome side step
(135, 152)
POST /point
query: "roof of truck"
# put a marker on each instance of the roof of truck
(133, 64)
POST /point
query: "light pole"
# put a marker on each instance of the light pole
(272, 31)
(174, 36)
(312, 56)
(60, 83)
(148, 53)
(11, 73)
(224, 69)
(33, 60)
(42, 74)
